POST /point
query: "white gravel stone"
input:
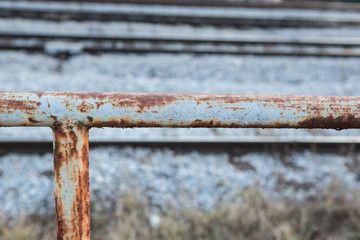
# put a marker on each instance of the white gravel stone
(165, 178)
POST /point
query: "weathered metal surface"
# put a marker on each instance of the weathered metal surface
(70, 115)
(179, 110)
(72, 196)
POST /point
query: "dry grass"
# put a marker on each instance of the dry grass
(332, 215)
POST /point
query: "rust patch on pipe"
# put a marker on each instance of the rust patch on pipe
(344, 121)
(141, 101)
(32, 120)
(83, 107)
(84, 95)
(71, 168)
(19, 105)
(211, 124)
(40, 94)
(124, 122)
(198, 123)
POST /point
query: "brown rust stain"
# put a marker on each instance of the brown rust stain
(61, 228)
(82, 95)
(32, 120)
(146, 124)
(99, 104)
(235, 108)
(84, 196)
(39, 94)
(227, 99)
(27, 106)
(235, 101)
(141, 101)
(343, 121)
(85, 107)
(125, 122)
(347, 121)
(218, 124)
(59, 159)
(71, 148)
(81, 205)
(210, 124)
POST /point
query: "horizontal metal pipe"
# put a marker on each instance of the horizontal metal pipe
(178, 110)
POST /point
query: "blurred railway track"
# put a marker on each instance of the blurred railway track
(232, 145)
(166, 16)
(272, 46)
(298, 4)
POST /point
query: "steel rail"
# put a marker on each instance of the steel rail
(298, 41)
(64, 53)
(176, 19)
(257, 144)
(283, 4)
(87, 43)
(70, 115)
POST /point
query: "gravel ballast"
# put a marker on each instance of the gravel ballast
(162, 176)
(165, 178)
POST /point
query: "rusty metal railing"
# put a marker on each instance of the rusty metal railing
(71, 115)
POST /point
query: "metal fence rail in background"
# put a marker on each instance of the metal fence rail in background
(71, 115)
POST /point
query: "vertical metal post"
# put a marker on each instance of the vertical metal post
(72, 196)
